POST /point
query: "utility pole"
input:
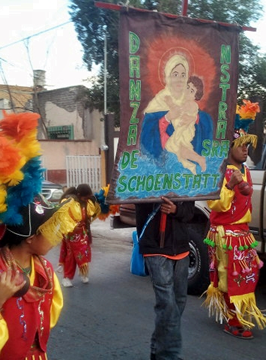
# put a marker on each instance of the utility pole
(105, 75)
(104, 147)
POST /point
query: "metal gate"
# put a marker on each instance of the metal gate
(84, 169)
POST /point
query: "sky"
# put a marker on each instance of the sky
(57, 51)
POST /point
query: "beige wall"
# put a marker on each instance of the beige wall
(54, 152)
(57, 116)
(90, 128)
(64, 107)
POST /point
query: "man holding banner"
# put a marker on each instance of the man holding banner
(157, 55)
(167, 263)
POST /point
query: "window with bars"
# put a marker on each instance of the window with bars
(61, 132)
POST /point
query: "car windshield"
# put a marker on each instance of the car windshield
(257, 158)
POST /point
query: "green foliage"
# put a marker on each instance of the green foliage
(93, 23)
(229, 11)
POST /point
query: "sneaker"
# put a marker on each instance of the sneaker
(67, 283)
(85, 279)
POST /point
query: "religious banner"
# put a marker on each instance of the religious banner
(178, 86)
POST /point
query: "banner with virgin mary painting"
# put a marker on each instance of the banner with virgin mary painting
(178, 93)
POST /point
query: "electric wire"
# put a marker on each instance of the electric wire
(37, 34)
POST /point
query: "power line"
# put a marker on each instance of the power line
(39, 33)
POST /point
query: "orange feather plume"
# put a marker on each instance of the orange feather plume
(10, 157)
(17, 126)
(248, 110)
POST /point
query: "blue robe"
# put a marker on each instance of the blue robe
(150, 140)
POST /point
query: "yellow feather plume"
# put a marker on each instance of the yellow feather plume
(62, 222)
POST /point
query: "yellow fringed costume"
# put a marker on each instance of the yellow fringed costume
(75, 248)
(62, 222)
(234, 262)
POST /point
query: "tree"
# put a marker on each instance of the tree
(93, 23)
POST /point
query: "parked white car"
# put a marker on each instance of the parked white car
(51, 191)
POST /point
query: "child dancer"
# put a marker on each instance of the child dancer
(76, 249)
(30, 294)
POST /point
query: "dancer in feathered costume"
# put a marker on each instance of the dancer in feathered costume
(30, 295)
(76, 246)
(234, 262)
(75, 249)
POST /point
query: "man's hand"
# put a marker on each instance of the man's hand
(236, 178)
(168, 207)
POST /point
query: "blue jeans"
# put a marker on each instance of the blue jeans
(169, 279)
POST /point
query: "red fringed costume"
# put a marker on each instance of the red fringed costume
(234, 263)
(76, 246)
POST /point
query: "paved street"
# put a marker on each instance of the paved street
(112, 317)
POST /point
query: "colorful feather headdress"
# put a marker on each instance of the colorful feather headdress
(23, 210)
(21, 173)
(245, 115)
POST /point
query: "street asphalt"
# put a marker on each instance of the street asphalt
(112, 317)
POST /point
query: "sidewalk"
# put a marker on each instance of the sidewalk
(103, 229)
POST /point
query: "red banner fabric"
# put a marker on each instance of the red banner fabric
(178, 85)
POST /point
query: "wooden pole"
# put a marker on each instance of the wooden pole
(184, 7)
